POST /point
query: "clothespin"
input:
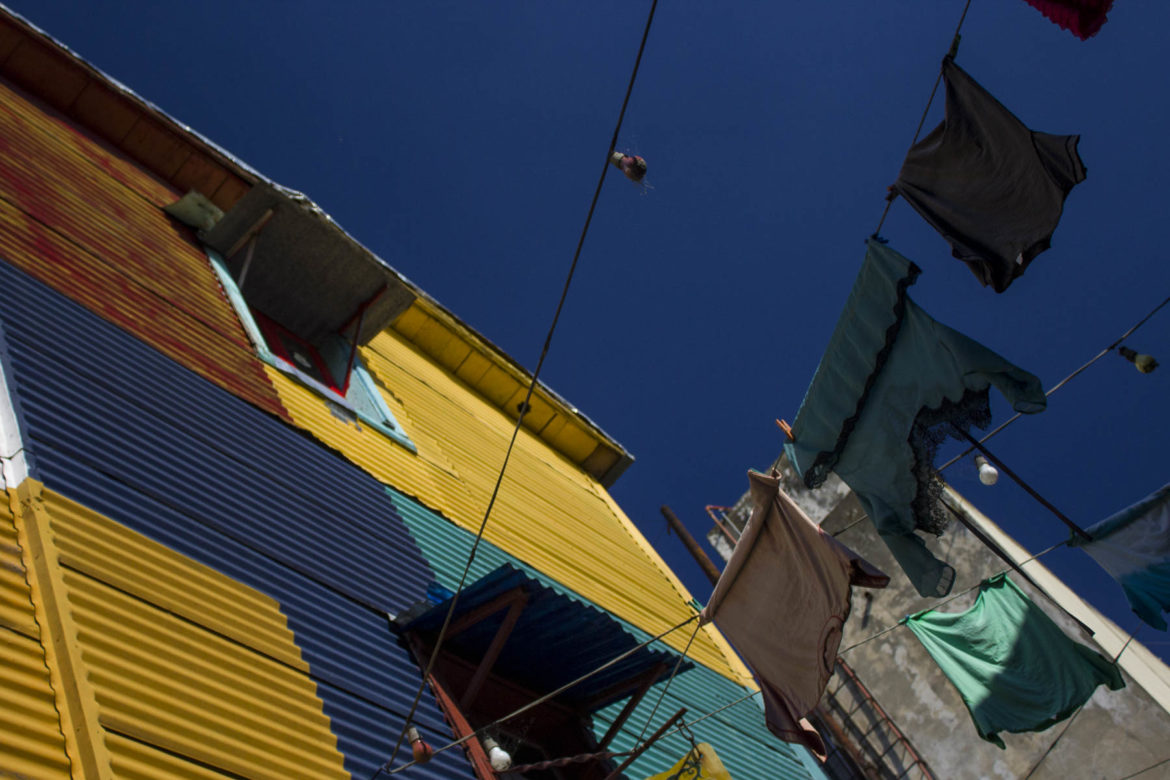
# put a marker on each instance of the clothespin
(954, 47)
(784, 426)
(695, 605)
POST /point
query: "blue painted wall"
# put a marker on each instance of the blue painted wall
(120, 428)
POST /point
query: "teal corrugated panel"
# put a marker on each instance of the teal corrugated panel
(746, 747)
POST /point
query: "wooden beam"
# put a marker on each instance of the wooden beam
(648, 680)
(469, 619)
(493, 651)
(459, 725)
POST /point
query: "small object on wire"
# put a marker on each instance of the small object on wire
(1142, 362)
(419, 750)
(631, 165)
(988, 474)
(501, 760)
(784, 426)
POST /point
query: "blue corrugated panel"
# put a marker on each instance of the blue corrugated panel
(120, 428)
(746, 747)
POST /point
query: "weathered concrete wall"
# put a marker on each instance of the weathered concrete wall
(1117, 733)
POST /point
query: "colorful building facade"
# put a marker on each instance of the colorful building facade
(244, 462)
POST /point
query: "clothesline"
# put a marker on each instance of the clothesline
(926, 111)
(948, 599)
(526, 404)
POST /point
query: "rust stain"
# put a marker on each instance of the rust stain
(69, 218)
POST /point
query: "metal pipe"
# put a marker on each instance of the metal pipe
(692, 546)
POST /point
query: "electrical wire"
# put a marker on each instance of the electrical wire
(1075, 715)
(1116, 343)
(926, 111)
(526, 405)
(1061, 383)
(540, 700)
(666, 687)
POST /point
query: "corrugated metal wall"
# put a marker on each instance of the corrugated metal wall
(85, 220)
(739, 736)
(211, 477)
(31, 742)
(185, 660)
(549, 513)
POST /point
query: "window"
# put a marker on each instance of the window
(330, 365)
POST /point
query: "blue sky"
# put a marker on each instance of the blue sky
(461, 141)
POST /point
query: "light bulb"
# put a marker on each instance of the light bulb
(1142, 362)
(419, 750)
(987, 473)
(500, 759)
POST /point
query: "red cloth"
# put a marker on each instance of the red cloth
(782, 602)
(1083, 18)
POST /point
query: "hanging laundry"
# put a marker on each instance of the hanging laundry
(1014, 668)
(993, 188)
(1134, 547)
(782, 602)
(891, 386)
(1082, 18)
(631, 165)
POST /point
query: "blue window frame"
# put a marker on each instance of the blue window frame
(322, 367)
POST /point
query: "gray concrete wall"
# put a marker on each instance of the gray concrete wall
(1116, 734)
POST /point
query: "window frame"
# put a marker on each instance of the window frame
(360, 380)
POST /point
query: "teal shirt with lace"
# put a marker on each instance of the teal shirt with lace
(889, 388)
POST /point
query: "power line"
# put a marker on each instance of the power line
(1061, 383)
(526, 405)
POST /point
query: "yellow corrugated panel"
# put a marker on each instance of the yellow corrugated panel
(135, 761)
(129, 561)
(161, 680)
(549, 513)
(16, 609)
(31, 744)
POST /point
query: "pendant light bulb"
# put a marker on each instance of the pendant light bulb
(419, 750)
(1142, 362)
(500, 759)
(988, 474)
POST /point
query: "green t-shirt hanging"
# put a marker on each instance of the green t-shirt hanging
(1014, 667)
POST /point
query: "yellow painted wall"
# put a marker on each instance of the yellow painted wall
(31, 742)
(549, 513)
(164, 667)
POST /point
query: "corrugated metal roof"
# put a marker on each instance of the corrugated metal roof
(84, 224)
(555, 640)
(549, 513)
(746, 747)
(31, 742)
(211, 477)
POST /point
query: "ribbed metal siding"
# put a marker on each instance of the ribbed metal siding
(548, 513)
(218, 481)
(95, 395)
(79, 222)
(183, 670)
(31, 743)
(746, 747)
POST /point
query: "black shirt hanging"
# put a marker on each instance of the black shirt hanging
(993, 188)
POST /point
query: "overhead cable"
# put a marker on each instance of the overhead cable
(526, 405)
